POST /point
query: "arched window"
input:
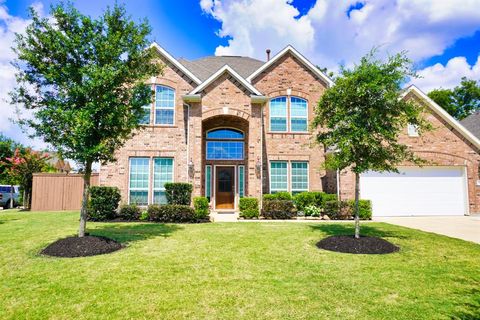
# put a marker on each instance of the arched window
(298, 114)
(164, 105)
(225, 144)
(278, 114)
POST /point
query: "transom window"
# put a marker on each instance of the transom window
(225, 144)
(279, 114)
(164, 105)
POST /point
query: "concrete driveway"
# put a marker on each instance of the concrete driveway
(461, 227)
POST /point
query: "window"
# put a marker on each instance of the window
(225, 144)
(162, 173)
(164, 105)
(241, 181)
(298, 114)
(299, 177)
(278, 114)
(146, 115)
(278, 176)
(412, 130)
(208, 182)
(139, 176)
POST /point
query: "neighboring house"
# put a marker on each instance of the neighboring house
(472, 123)
(236, 126)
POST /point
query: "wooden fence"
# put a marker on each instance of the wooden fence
(58, 191)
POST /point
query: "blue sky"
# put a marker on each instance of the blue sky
(442, 37)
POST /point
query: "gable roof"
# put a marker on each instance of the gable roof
(204, 67)
(472, 123)
(443, 114)
(216, 75)
(299, 56)
(175, 62)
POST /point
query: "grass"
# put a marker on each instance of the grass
(232, 271)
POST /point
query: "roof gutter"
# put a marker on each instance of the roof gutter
(258, 99)
(192, 97)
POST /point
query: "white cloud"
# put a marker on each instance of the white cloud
(447, 76)
(329, 37)
(9, 25)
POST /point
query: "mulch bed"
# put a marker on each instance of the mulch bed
(81, 247)
(363, 245)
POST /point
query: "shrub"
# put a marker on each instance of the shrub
(328, 197)
(248, 208)
(103, 203)
(202, 207)
(364, 208)
(171, 213)
(279, 209)
(308, 198)
(282, 195)
(178, 193)
(312, 210)
(338, 210)
(144, 216)
(130, 212)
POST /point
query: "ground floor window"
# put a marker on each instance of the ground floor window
(241, 181)
(281, 172)
(208, 182)
(162, 173)
(139, 178)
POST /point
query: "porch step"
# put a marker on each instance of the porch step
(224, 216)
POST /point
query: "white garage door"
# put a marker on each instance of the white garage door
(416, 191)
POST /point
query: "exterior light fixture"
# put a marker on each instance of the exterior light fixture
(191, 168)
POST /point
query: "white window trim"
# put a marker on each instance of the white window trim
(155, 107)
(130, 170)
(270, 176)
(290, 114)
(286, 116)
(291, 177)
(153, 176)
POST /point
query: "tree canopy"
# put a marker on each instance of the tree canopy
(460, 101)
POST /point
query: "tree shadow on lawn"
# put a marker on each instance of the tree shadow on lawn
(468, 310)
(341, 229)
(130, 232)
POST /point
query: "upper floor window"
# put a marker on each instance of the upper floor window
(146, 114)
(164, 105)
(225, 144)
(279, 114)
(412, 130)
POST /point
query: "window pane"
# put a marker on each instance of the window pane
(278, 114)
(164, 105)
(241, 181)
(225, 134)
(225, 150)
(278, 176)
(208, 182)
(299, 176)
(298, 114)
(299, 124)
(162, 173)
(146, 115)
(139, 176)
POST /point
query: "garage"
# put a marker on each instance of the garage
(414, 191)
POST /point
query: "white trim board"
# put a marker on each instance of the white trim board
(443, 114)
(300, 57)
(222, 70)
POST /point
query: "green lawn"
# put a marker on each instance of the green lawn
(232, 271)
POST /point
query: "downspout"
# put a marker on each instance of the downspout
(338, 184)
(261, 156)
(188, 139)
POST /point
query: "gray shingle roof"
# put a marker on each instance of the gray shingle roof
(203, 68)
(472, 123)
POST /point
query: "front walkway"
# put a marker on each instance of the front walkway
(461, 227)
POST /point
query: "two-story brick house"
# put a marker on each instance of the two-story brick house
(236, 126)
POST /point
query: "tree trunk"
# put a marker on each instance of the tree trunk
(86, 191)
(24, 206)
(357, 195)
(11, 196)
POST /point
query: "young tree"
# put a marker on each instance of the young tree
(84, 79)
(21, 167)
(362, 115)
(460, 101)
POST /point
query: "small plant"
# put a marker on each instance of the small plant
(308, 198)
(103, 203)
(144, 216)
(178, 193)
(279, 209)
(338, 210)
(312, 211)
(364, 208)
(282, 195)
(171, 213)
(202, 207)
(248, 208)
(130, 212)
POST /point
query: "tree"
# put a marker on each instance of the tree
(362, 115)
(460, 101)
(7, 149)
(85, 80)
(21, 167)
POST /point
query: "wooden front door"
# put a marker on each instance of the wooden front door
(225, 188)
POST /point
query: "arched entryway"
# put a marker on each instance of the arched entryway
(224, 159)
